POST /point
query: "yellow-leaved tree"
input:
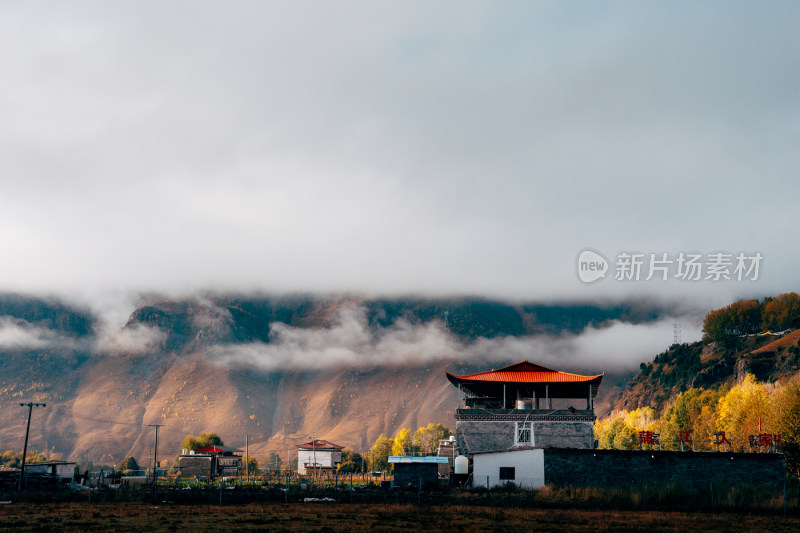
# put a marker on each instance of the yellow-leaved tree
(619, 431)
(743, 409)
(403, 443)
(686, 413)
(788, 408)
(426, 439)
(380, 452)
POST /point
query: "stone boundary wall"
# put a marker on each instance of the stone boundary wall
(693, 469)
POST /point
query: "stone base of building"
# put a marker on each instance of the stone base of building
(480, 430)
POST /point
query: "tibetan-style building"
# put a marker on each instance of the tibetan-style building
(525, 405)
(319, 455)
(211, 461)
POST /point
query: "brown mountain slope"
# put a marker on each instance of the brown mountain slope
(710, 365)
(780, 344)
(107, 415)
(168, 365)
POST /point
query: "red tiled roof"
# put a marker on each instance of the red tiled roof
(524, 372)
(214, 448)
(320, 444)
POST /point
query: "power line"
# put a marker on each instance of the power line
(67, 412)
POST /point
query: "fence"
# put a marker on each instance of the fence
(729, 497)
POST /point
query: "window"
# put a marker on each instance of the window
(524, 434)
(506, 473)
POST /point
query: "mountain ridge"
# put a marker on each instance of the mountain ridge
(187, 363)
(711, 365)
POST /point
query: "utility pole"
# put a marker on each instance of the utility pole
(155, 462)
(314, 449)
(30, 406)
(363, 455)
(247, 455)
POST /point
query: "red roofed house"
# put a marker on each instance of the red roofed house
(319, 454)
(525, 405)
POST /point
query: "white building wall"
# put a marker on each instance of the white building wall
(66, 471)
(528, 468)
(325, 459)
(62, 470)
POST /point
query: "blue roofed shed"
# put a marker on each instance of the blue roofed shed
(409, 470)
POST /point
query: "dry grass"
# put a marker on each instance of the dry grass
(790, 339)
(68, 517)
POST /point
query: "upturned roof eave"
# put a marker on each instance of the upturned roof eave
(470, 379)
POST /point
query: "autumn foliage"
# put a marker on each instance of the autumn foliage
(751, 316)
(748, 408)
(424, 441)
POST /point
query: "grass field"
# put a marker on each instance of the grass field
(133, 517)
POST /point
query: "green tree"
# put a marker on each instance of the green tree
(190, 442)
(625, 438)
(403, 443)
(380, 452)
(351, 461)
(127, 465)
(272, 462)
(252, 465)
(426, 439)
(686, 414)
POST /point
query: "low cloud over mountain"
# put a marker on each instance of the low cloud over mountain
(278, 368)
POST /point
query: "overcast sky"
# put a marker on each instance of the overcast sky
(392, 147)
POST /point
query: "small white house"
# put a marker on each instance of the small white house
(64, 470)
(318, 454)
(523, 467)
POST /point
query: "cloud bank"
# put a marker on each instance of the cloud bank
(403, 147)
(137, 338)
(349, 341)
(18, 334)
